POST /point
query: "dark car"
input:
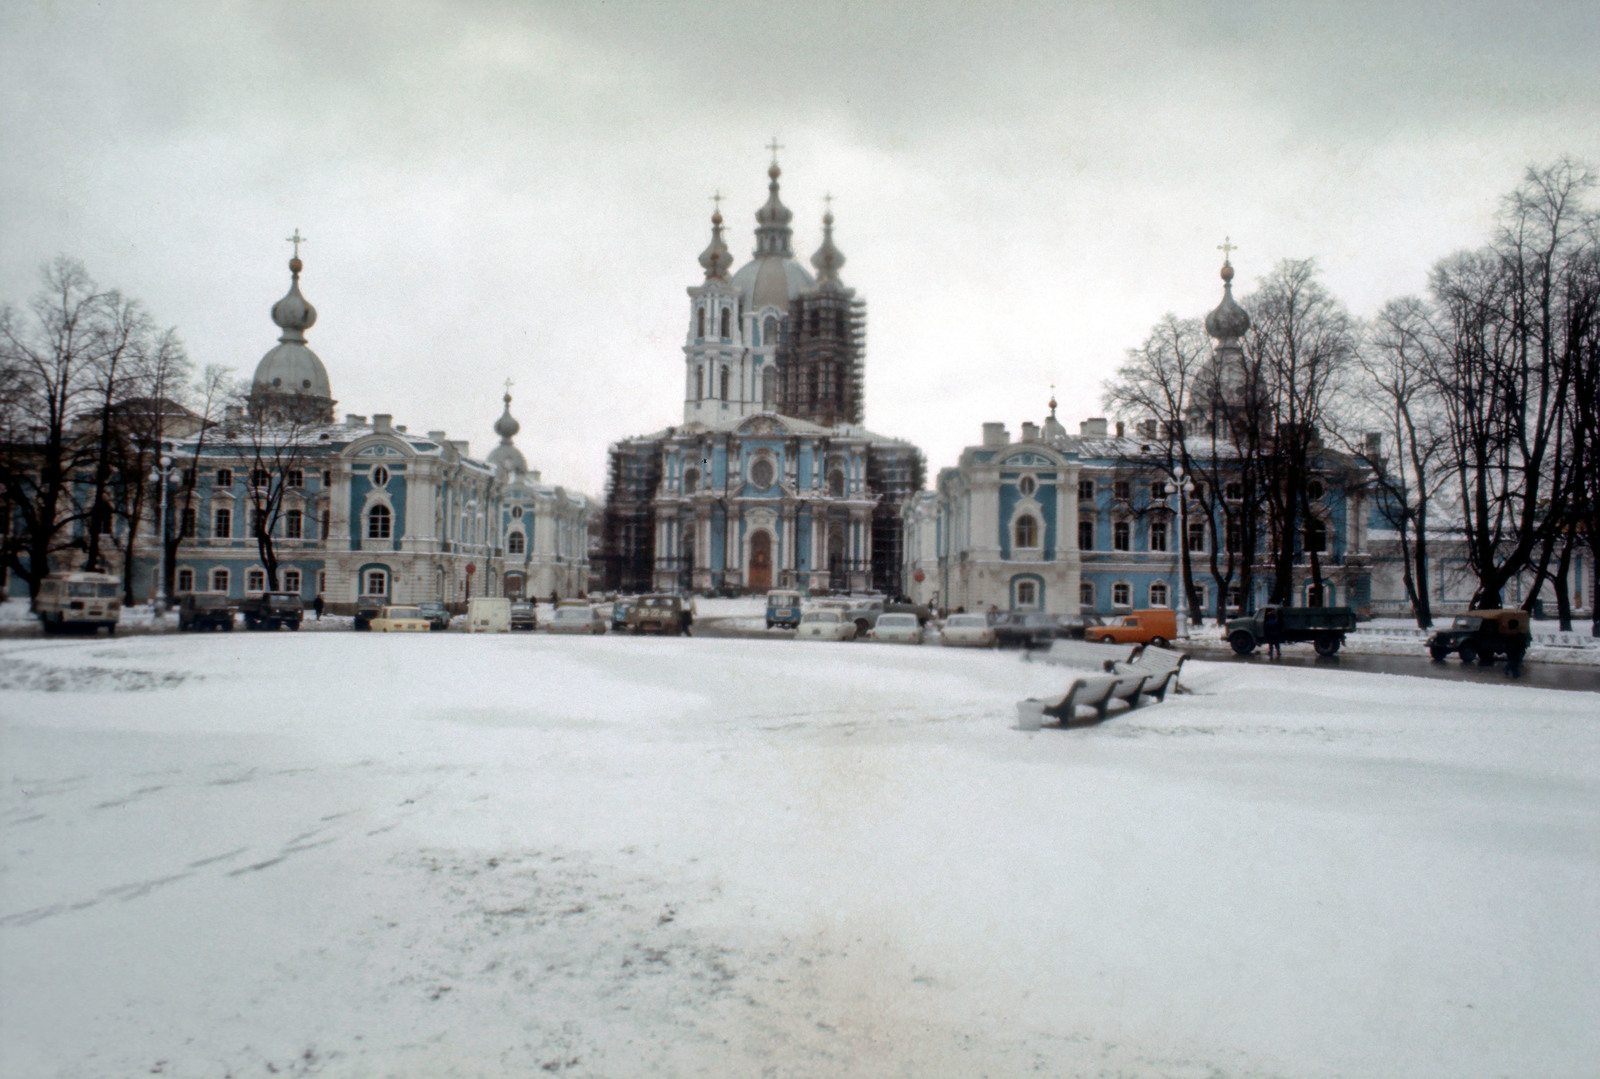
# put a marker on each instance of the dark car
(1482, 635)
(1027, 629)
(271, 610)
(660, 613)
(199, 610)
(1076, 625)
(437, 614)
(523, 616)
(619, 614)
(367, 608)
(922, 613)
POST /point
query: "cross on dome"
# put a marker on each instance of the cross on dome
(775, 146)
(297, 240)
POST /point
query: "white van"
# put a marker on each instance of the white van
(68, 601)
(489, 614)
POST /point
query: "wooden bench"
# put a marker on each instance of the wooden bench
(1160, 666)
(1086, 655)
(1095, 691)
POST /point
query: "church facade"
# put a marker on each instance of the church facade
(771, 480)
(357, 507)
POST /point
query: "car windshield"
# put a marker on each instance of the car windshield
(781, 599)
(430, 605)
(1467, 622)
(404, 612)
(901, 620)
(573, 614)
(82, 589)
(967, 621)
(821, 616)
(1038, 619)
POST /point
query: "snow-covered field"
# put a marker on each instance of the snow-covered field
(447, 855)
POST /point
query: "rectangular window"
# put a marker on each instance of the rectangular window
(295, 478)
(1234, 492)
(1085, 535)
(327, 478)
(187, 525)
(1158, 535)
(1158, 490)
(185, 580)
(219, 580)
(322, 581)
(1121, 594)
(291, 580)
(222, 524)
(255, 581)
(1086, 490)
(224, 477)
(1122, 490)
(292, 524)
(1197, 536)
(1235, 540)
(1122, 536)
(259, 478)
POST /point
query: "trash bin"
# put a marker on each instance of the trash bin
(1030, 714)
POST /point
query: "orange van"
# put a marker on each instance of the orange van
(1157, 626)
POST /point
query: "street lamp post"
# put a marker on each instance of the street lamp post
(1184, 486)
(162, 475)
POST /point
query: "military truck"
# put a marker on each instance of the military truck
(660, 613)
(270, 610)
(1482, 635)
(1324, 627)
(204, 610)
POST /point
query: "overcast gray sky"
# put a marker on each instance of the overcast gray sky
(498, 190)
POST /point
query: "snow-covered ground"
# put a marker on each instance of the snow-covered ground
(452, 855)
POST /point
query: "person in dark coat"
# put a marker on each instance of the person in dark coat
(1274, 633)
(317, 605)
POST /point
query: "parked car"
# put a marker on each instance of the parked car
(1482, 635)
(1325, 627)
(400, 620)
(367, 608)
(660, 612)
(893, 628)
(1156, 626)
(570, 618)
(73, 601)
(924, 616)
(967, 631)
(271, 610)
(488, 614)
(1027, 629)
(523, 616)
(204, 610)
(865, 614)
(437, 614)
(1077, 626)
(828, 624)
(783, 609)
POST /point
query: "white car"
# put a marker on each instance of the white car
(830, 625)
(967, 630)
(574, 619)
(400, 620)
(897, 629)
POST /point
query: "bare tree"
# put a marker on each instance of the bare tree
(276, 448)
(209, 398)
(1504, 369)
(146, 419)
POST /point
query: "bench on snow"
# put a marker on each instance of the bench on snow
(1086, 655)
(1095, 691)
(1160, 666)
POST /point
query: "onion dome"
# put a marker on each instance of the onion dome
(772, 221)
(716, 258)
(290, 381)
(1228, 322)
(774, 276)
(506, 456)
(828, 258)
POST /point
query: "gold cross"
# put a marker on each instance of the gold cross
(297, 240)
(716, 201)
(774, 146)
(1227, 248)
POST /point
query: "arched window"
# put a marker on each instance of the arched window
(727, 323)
(377, 583)
(836, 483)
(1122, 536)
(186, 580)
(1027, 531)
(1027, 594)
(1158, 593)
(691, 480)
(1316, 535)
(1121, 594)
(699, 383)
(219, 580)
(769, 387)
(291, 580)
(378, 522)
(1086, 593)
(769, 330)
(724, 383)
(293, 524)
(700, 322)
(1085, 535)
(255, 581)
(515, 543)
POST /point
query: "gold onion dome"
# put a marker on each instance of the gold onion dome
(716, 259)
(828, 258)
(1229, 321)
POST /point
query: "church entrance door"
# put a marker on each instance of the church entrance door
(760, 577)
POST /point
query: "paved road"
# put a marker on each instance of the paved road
(1544, 675)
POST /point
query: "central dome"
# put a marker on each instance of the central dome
(775, 276)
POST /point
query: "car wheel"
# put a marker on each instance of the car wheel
(1438, 653)
(1326, 645)
(1468, 652)
(1158, 642)
(1243, 643)
(1486, 659)
(861, 629)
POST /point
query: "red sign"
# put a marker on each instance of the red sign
(472, 568)
(919, 576)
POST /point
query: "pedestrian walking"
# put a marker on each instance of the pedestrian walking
(1274, 633)
(317, 605)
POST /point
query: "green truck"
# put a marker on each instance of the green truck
(1324, 627)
